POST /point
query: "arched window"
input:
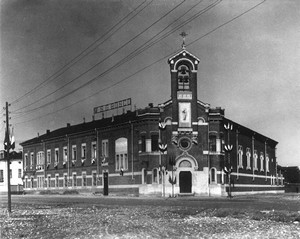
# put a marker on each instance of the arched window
(240, 156)
(183, 78)
(261, 161)
(213, 175)
(248, 155)
(185, 164)
(121, 160)
(255, 160)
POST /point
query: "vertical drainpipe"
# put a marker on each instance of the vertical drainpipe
(68, 157)
(97, 156)
(266, 174)
(131, 149)
(45, 153)
(208, 158)
(237, 154)
(253, 158)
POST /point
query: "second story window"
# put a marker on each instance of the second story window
(56, 156)
(83, 151)
(105, 149)
(26, 163)
(31, 159)
(143, 143)
(74, 153)
(261, 161)
(48, 156)
(212, 143)
(255, 160)
(240, 156)
(65, 155)
(154, 142)
(94, 150)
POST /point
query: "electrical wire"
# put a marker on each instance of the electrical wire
(92, 80)
(83, 53)
(201, 37)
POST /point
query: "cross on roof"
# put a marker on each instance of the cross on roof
(183, 34)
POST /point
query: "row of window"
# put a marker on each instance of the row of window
(11, 174)
(40, 157)
(121, 154)
(255, 159)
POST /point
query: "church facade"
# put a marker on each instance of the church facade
(180, 147)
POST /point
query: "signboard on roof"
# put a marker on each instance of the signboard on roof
(112, 106)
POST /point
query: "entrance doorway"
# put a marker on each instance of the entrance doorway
(185, 182)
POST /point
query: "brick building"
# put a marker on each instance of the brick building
(180, 147)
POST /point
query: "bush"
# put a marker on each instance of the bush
(70, 192)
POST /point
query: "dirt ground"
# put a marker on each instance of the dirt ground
(31, 220)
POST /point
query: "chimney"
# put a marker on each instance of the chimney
(150, 105)
(83, 119)
(68, 125)
(93, 117)
(48, 131)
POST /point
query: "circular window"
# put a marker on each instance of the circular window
(185, 143)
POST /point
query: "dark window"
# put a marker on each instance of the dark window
(143, 143)
(154, 142)
(1, 176)
(183, 78)
(212, 143)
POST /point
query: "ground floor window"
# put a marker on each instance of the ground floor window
(84, 179)
(74, 180)
(94, 179)
(56, 181)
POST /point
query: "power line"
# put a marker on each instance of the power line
(92, 80)
(124, 79)
(83, 53)
(122, 61)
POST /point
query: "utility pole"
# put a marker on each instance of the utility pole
(7, 146)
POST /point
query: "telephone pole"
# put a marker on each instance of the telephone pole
(7, 146)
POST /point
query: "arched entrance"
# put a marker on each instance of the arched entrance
(185, 182)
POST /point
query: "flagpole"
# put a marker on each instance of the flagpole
(8, 161)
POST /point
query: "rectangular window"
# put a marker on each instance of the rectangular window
(48, 156)
(212, 143)
(74, 153)
(74, 180)
(56, 158)
(105, 148)
(49, 181)
(65, 155)
(19, 173)
(31, 160)
(83, 151)
(94, 179)
(65, 181)
(143, 143)
(84, 179)
(154, 142)
(26, 163)
(1, 176)
(94, 150)
(56, 181)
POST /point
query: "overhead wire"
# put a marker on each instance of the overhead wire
(150, 65)
(92, 80)
(84, 53)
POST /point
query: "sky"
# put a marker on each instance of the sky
(61, 58)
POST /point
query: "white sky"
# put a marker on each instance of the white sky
(249, 66)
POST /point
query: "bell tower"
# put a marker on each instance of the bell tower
(183, 67)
